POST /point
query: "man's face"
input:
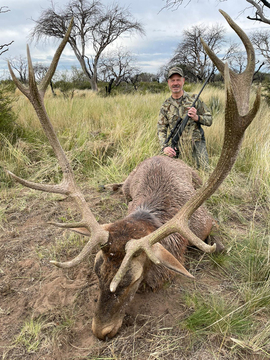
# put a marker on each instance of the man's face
(176, 83)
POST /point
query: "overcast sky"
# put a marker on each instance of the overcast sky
(163, 29)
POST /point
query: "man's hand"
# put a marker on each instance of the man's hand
(192, 113)
(169, 151)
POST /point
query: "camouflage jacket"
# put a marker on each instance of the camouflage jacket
(172, 109)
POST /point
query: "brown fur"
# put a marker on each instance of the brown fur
(156, 190)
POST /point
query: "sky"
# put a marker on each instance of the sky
(163, 29)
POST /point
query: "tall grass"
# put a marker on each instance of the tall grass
(105, 138)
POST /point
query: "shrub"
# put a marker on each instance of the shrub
(8, 126)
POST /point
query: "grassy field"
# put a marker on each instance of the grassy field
(107, 137)
(227, 315)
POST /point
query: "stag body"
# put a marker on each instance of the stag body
(156, 190)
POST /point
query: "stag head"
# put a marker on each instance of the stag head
(125, 255)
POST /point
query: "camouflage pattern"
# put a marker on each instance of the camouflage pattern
(175, 70)
(172, 109)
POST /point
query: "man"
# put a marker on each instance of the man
(178, 105)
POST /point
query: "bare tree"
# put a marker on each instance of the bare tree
(234, 55)
(163, 71)
(261, 42)
(174, 4)
(190, 50)
(117, 66)
(19, 64)
(4, 47)
(260, 8)
(94, 24)
(237, 59)
(4, 9)
(40, 71)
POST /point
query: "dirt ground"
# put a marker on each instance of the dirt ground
(58, 304)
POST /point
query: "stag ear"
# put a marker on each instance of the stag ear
(84, 231)
(168, 260)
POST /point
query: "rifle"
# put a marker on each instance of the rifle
(181, 123)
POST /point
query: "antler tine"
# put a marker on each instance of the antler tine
(36, 96)
(246, 42)
(99, 237)
(67, 185)
(240, 82)
(23, 89)
(57, 189)
(47, 78)
(237, 119)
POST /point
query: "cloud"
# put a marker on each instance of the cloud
(163, 29)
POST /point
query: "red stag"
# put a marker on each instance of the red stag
(165, 212)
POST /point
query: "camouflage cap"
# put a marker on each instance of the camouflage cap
(175, 70)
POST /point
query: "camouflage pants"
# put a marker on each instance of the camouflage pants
(200, 154)
(198, 151)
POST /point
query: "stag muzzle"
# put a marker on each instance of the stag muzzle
(107, 330)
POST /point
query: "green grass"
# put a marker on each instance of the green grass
(243, 304)
(31, 335)
(213, 314)
(40, 332)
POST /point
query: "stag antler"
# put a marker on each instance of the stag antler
(68, 186)
(237, 118)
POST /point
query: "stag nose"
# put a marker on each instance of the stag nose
(104, 331)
